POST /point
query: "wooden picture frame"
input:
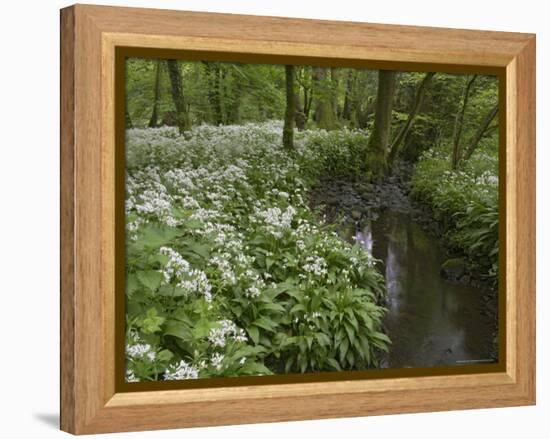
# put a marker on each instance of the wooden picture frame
(91, 400)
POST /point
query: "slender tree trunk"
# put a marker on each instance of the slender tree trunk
(299, 115)
(324, 111)
(306, 89)
(233, 97)
(346, 111)
(217, 96)
(288, 129)
(380, 135)
(457, 132)
(214, 91)
(419, 98)
(223, 94)
(153, 122)
(480, 133)
(334, 86)
(363, 112)
(308, 99)
(176, 82)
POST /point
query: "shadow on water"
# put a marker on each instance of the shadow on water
(430, 321)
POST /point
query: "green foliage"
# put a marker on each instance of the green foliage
(331, 331)
(338, 152)
(229, 272)
(465, 203)
(240, 92)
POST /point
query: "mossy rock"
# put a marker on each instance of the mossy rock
(453, 269)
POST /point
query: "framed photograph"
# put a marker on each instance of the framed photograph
(268, 219)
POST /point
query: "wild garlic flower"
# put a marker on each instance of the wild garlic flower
(131, 377)
(205, 214)
(225, 269)
(197, 282)
(190, 203)
(181, 180)
(194, 281)
(138, 350)
(276, 220)
(182, 371)
(216, 360)
(316, 265)
(220, 239)
(252, 292)
(172, 222)
(177, 266)
(156, 202)
(228, 330)
(487, 178)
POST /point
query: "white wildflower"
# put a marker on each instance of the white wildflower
(182, 371)
(138, 350)
(227, 330)
(131, 377)
(315, 265)
(216, 360)
(252, 292)
(194, 281)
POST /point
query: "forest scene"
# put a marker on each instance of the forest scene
(295, 219)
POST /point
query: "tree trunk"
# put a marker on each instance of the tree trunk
(299, 115)
(346, 111)
(419, 98)
(153, 122)
(334, 86)
(288, 129)
(380, 135)
(308, 99)
(233, 94)
(457, 131)
(324, 111)
(362, 113)
(214, 91)
(480, 132)
(176, 82)
(224, 93)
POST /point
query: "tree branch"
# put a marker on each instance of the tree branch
(419, 98)
(480, 132)
(457, 131)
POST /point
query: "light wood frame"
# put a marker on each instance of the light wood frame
(89, 35)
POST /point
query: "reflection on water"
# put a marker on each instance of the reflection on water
(364, 237)
(430, 321)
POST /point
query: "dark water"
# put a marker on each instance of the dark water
(430, 321)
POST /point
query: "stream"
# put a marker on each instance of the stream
(430, 321)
